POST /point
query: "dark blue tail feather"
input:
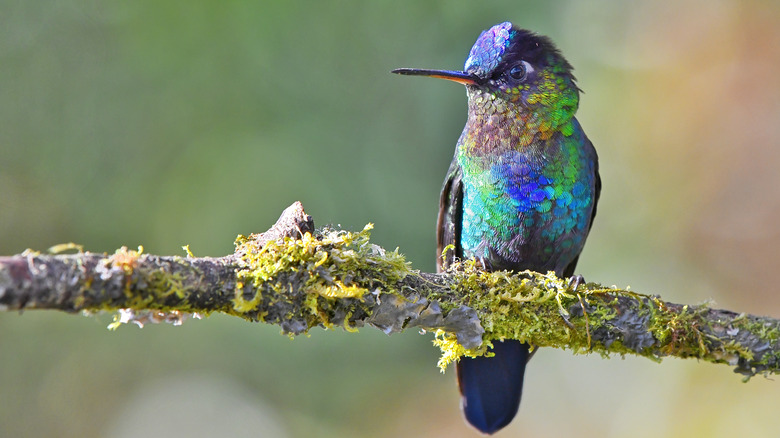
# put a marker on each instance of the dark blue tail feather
(491, 386)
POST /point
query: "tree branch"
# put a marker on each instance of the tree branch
(299, 278)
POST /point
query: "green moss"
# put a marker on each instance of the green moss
(332, 270)
(333, 278)
(541, 309)
(766, 332)
(537, 308)
(162, 293)
(768, 335)
(451, 350)
(512, 307)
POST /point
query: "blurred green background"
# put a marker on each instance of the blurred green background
(172, 123)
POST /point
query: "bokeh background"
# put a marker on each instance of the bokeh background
(169, 123)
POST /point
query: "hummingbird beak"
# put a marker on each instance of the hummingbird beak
(460, 77)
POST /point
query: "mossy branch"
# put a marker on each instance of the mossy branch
(300, 278)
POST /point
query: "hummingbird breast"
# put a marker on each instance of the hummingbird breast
(526, 205)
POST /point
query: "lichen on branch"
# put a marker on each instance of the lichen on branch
(298, 277)
(330, 278)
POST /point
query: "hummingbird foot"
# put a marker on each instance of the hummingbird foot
(484, 263)
(574, 282)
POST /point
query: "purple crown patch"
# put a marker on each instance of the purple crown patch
(487, 51)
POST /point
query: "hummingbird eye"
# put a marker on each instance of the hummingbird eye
(519, 71)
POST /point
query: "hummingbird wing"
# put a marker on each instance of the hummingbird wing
(448, 226)
(569, 271)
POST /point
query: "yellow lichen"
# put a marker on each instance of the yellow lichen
(452, 350)
(531, 307)
(338, 290)
(330, 268)
(62, 247)
(125, 259)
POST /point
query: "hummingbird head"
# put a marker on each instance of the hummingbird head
(519, 68)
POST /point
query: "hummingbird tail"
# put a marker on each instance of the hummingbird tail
(491, 387)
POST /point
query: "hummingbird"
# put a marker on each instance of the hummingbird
(521, 191)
